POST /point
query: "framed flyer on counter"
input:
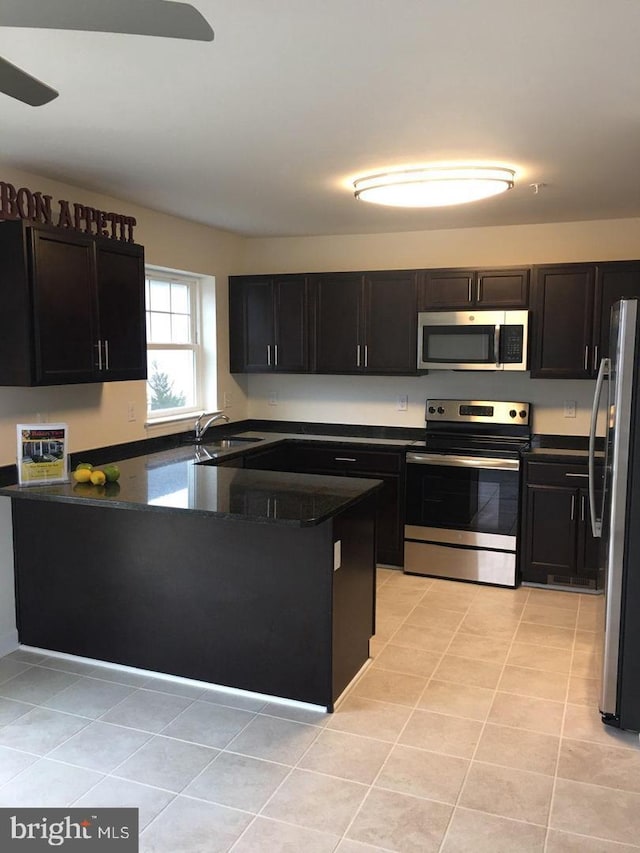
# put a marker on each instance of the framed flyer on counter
(42, 453)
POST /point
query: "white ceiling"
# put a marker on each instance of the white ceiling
(260, 131)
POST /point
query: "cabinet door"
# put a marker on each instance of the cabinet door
(563, 298)
(446, 289)
(613, 281)
(391, 318)
(291, 353)
(251, 325)
(551, 519)
(339, 345)
(120, 278)
(590, 565)
(64, 308)
(507, 288)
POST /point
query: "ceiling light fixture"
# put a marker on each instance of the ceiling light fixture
(434, 186)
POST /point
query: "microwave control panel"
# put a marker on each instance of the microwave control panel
(511, 344)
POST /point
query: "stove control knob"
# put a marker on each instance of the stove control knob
(432, 410)
(440, 410)
(523, 413)
(512, 413)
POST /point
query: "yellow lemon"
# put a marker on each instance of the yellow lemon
(82, 475)
(97, 477)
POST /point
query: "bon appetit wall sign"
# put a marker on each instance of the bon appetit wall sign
(23, 203)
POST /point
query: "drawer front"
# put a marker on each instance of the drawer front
(557, 474)
(339, 458)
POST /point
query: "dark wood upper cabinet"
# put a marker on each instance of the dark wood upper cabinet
(64, 308)
(571, 308)
(121, 310)
(562, 305)
(339, 321)
(454, 289)
(391, 322)
(73, 307)
(614, 280)
(365, 322)
(268, 324)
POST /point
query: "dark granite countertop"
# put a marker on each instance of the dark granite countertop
(556, 454)
(173, 481)
(562, 448)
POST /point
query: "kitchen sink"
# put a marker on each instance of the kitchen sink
(224, 443)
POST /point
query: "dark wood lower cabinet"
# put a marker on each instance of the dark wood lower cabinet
(557, 545)
(345, 461)
(259, 607)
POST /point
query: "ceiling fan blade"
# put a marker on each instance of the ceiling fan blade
(138, 17)
(23, 87)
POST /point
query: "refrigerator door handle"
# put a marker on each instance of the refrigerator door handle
(596, 522)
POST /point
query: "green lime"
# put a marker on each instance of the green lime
(86, 465)
(112, 473)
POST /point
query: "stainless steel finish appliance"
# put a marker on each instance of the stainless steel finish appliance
(472, 340)
(616, 520)
(463, 491)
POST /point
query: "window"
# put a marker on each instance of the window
(173, 350)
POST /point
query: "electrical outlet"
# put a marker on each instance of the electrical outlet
(131, 411)
(226, 400)
(402, 403)
(569, 408)
(273, 398)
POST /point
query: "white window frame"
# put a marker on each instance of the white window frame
(195, 309)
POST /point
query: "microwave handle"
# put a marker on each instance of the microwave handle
(496, 346)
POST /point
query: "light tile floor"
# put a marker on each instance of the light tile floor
(474, 729)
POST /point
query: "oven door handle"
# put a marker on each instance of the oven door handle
(463, 461)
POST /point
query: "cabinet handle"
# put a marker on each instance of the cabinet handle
(479, 291)
(268, 355)
(470, 294)
(366, 355)
(586, 358)
(582, 501)
(344, 459)
(106, 354)
(573, 507)
(99, 346)
(275, 352)
(576, 475)
(358, 356)
(595, 358)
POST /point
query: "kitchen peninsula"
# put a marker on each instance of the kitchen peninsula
(257, 580)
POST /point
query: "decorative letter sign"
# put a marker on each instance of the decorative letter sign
(23, 203)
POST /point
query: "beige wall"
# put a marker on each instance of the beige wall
(372, 400)
(97, 413)
(561, 242)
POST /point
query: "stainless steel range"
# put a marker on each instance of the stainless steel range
(463, 491)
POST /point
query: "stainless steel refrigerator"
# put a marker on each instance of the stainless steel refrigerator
(615, 516)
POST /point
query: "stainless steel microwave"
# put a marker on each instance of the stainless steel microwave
(472, 340)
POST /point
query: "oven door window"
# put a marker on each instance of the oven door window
(458, 344)
(478, 500)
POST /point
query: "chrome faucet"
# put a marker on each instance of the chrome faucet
(199, 428)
